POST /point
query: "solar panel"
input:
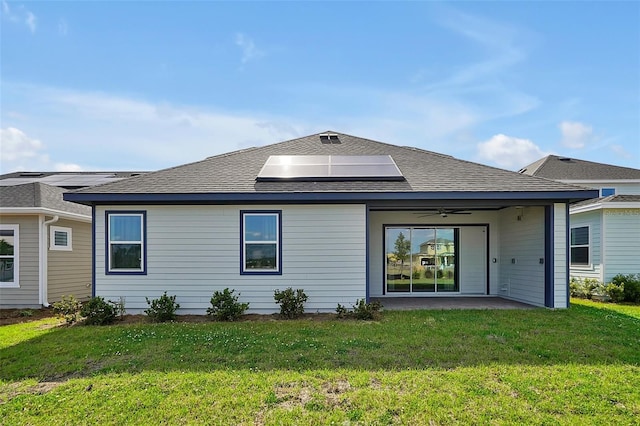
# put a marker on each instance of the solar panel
(329, 167)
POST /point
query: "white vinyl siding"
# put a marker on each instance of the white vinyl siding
(193, 251)
(560, 278)
(27, 294)
(522, 244)
(593, 220)
(621, 242)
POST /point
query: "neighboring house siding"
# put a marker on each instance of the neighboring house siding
(70, 271)
(193, 251)
(523, 241)
(591, 219)
(621, 248)
(27, 294)
(560, 278)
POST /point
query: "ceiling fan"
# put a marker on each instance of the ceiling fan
(445, 212)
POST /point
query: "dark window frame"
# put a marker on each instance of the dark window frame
(243, 269)
(143, 243)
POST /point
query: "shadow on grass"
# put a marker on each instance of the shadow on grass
(426, 339)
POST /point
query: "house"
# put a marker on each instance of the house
(45, 242)
(327, 213)
(605, 231)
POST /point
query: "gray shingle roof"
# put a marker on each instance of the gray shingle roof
(236, 173)
(563, 168)
(39, 195)
(609, 199)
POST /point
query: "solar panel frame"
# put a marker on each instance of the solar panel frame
(329, 168)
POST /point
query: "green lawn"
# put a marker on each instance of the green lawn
(574, 366)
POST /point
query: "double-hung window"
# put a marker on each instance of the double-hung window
(9, 239)
(126, 245)
(580, 246)
(261, 251)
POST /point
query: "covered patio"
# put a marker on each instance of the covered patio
(414, 303)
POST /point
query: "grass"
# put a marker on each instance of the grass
(574, 366)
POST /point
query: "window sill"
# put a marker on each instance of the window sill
(9, 285)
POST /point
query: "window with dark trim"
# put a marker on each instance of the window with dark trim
(260, 235)
(126, 242)
(580, 246)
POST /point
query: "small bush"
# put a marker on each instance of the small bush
(98, 312)
(584, 288)
(291, 302)
(26, 313)
(361, 310)
(416, 273)
(225, 306)
(162, 309)
(342, 311)
(615, 292)
(631, 285)
(119, 306)
(68, 307)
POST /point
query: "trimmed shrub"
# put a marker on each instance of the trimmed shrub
(68, 307)
(416, 273)
(291, 302)
(584, 288)
(615, 292)
(361, 310)
(631, 285)
(162, 309)
(225, 306)
(98, 312)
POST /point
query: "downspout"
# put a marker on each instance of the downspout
(44, 259)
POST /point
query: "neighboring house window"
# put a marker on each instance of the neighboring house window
(59, 238)
(9, 257)
(126, 242)
(605, 192)
(261, 248)
(580, 246)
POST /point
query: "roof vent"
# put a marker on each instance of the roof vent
(30, 174)
(565, 159)
(329, 138)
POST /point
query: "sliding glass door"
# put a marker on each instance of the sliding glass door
(421, 260)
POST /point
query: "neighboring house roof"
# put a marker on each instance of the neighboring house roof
(564, 168)
(232, 177)
(69, 180)
(38, 198)
(610, 202)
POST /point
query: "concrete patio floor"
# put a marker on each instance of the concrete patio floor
(412, 303)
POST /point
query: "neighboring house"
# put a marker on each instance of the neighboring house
(45, 242)
(605, 231)
(324, 213)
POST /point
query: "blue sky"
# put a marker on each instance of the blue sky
(150, 85)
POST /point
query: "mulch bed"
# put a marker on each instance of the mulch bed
(16, 316)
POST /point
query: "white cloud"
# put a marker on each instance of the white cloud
(31, 21)
(16, 145)
(575, 134)
(620, 151)
(19, 152)
(21, 15)
(98, 131)
(249, 50)
(63, 27)
(509, 152)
